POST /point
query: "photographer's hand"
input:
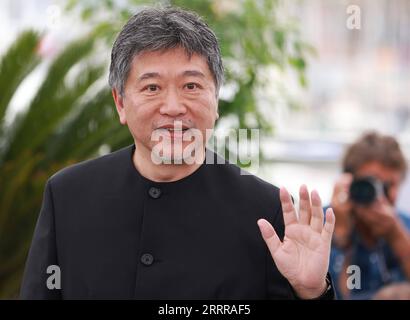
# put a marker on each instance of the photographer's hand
(342, 208)
(383, 221)
(379, 217)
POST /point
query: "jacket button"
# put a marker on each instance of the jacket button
(154, 192)
(147, 259)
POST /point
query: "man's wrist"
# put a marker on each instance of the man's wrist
(325, 292)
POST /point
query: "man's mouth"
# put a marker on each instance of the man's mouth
(173, 131)
(172, 128)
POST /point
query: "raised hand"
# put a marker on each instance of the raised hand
(303, 256)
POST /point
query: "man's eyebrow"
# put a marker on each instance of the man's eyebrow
(148, 75)
(193, 73)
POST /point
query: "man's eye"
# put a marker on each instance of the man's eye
(152, 88)
(191, 86)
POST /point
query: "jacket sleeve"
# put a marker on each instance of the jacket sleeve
(42, 254)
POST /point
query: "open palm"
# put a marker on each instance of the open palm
(303, 256)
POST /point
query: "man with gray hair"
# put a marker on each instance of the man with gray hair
(147, 222)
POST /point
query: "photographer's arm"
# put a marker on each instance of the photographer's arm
(383, 221)
(399, 240)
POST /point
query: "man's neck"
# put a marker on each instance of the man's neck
(163, 172)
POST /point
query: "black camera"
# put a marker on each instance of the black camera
(367, 189)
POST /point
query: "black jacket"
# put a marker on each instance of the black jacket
(115, 234)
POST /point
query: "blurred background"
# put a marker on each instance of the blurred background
(295, 69)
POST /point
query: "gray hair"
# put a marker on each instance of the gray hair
(161, 29)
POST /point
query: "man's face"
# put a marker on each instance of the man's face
(163, 87)
(392, 177)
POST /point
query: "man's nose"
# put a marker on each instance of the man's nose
(172, 105)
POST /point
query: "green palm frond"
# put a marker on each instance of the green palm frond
(27, 159)
(96, 121)
(53, 100)
(15, 65)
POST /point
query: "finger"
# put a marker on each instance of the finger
(364, 214)
(316, 222)
(305, 211)
(344, 182)
(329, 226)
(376, 206)
(381, 208)
(346, 179)
(269, 235)
(289, 212)
(382, 200)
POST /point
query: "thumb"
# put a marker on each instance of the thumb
(269, 235)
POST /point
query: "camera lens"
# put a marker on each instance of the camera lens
(363, 191)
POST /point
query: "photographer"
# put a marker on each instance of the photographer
(371, 242)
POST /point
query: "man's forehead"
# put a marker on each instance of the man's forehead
(380, 170)
(154, 62)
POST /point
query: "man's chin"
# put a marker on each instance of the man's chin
(176, 157)
(169, 158)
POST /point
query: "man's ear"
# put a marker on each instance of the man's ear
(217, 108)
(119, 105)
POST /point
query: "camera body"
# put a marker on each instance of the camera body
(365, 190)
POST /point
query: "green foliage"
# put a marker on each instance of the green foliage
(16, 65)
